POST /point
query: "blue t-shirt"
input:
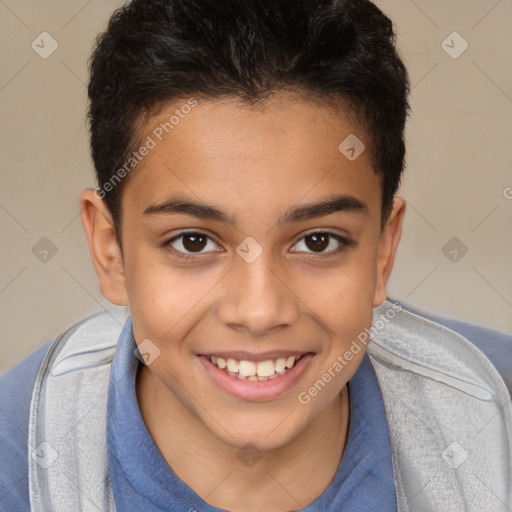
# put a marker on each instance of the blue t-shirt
(142, 480)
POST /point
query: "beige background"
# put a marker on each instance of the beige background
(458, 178)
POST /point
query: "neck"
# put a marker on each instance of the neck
(286, 478)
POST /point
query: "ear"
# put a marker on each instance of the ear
(388, 245)
(105, 252)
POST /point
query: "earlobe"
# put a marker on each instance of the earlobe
(387, 249)
(105, 252)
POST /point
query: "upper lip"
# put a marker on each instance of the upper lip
(262, 356)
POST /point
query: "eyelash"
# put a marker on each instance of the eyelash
(345, 242)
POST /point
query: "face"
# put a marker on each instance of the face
(248, 236)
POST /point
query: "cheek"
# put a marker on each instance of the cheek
(344, 296)
(167, 301)
(159, 294)
(346, 307)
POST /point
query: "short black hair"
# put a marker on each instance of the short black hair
(158, 51)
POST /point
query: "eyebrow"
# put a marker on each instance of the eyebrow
(335, 204)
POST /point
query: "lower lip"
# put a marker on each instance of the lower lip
(256, 390)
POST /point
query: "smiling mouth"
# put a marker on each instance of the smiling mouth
(256, 371)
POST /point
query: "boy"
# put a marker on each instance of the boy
(248, 155)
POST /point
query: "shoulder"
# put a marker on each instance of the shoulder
(496, 345)
(82, 344)
(440, 388)
(15, 395)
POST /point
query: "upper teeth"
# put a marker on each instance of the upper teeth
(247, 368)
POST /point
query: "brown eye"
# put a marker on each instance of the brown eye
(189, 243)
(194, 242)
(317, 242)
(322, 242)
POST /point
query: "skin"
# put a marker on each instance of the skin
(253, 164)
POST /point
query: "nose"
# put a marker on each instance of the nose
(256, 298)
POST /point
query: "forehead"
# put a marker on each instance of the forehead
(230, 153)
